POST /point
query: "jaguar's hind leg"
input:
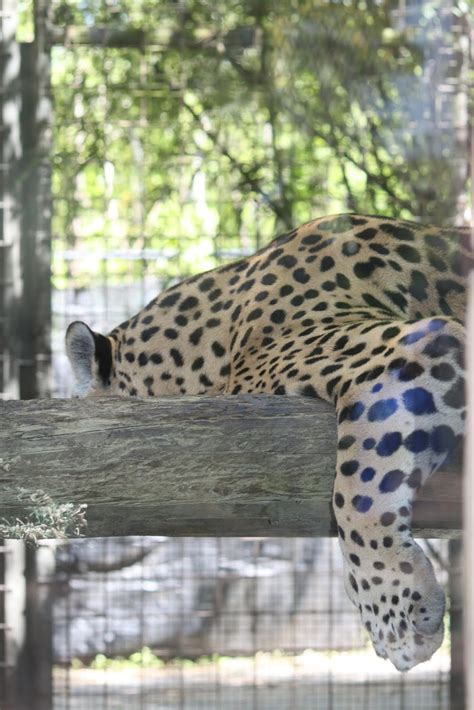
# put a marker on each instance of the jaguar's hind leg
(397, 421)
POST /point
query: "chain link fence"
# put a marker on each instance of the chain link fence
(185, 134)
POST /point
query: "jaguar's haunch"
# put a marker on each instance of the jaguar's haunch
(366, 312)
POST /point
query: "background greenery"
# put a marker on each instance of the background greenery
(202, 128)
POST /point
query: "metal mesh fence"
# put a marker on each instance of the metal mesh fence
(220, 623)
(182, 139)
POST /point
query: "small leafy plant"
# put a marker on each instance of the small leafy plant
(47, 519)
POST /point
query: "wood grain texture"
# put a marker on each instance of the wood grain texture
(230, 465)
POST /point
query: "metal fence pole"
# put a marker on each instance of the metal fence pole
(10, 142)
(456, 678)
(34, 310)
(468, 491)
(25, 622)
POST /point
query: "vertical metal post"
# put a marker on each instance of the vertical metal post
(468, 488)
(25, 239)
(14, 615)
(25, 291)
(34, 311)
(26, 669)
(456, 678)
(10, 146)
(4, 665)
(10, 152)
(25, 623)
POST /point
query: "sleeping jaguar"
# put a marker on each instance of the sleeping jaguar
(365, 312)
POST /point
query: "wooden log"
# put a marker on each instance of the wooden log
(230, 465)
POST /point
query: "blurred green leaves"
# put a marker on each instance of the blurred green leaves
(237, 120)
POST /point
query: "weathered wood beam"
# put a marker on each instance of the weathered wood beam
(230, 465)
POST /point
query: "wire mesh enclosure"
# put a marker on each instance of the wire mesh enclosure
(221, 623)
(182, 135)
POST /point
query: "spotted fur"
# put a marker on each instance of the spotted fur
(365, 312)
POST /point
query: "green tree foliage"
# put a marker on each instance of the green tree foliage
(202, 128)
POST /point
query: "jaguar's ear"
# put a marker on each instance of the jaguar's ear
(85, 349)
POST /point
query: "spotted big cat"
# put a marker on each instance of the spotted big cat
(364, 312)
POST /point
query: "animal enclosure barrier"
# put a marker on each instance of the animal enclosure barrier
(261, 623)
(113, 250)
